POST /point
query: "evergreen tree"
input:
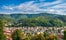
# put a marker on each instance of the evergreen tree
(46, 35)
(41, 37)
(53, 37)
(2, 35)
(17, 35)
(65, 35)
(28, 36)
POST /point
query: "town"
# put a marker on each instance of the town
(32, 30)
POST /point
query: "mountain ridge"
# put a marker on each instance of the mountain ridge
(41, 19)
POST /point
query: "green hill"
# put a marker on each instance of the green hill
(41, 19)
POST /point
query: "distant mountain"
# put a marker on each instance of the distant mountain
(32, 15)
(22, 18)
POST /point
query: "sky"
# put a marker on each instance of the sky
(33, 6)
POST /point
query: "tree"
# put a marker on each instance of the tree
(40, 37)
(34, 37)
(17, 35)
(53, 37)
(57, 22)
(28, 36)
(65, 35)
(46, 35)
(2, 35)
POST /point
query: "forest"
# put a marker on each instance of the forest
(41, 19)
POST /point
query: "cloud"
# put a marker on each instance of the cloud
(60, 6)
(54, 11)
(7, 7)
(60, 9)
(27, 6)
(56, 7)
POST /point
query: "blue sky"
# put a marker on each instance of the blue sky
(33, 6)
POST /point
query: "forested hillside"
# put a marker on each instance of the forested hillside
(41, 19)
